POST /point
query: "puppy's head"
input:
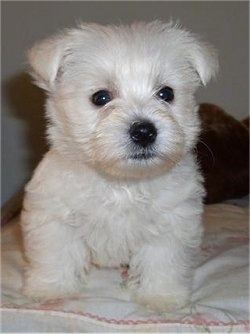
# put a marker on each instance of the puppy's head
(120, 98)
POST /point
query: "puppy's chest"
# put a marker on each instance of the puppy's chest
(116, 222)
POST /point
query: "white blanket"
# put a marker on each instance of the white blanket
(220, 299)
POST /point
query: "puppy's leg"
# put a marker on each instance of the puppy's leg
(57, 257)
(161, 275)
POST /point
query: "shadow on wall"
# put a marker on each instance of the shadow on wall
(27, 103)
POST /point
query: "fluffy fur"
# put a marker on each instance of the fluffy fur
(96, 196)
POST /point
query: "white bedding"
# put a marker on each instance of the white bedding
(220, 300)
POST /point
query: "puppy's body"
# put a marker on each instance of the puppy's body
(154, 226)
(120, 184)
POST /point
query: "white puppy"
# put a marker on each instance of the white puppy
(120, 184)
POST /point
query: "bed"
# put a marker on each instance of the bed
(220, 299)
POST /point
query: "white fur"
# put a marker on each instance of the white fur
(88, 201)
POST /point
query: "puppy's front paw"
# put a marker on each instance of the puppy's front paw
(40, 287)
(45, 292)
(161, 302)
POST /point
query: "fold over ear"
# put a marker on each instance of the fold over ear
(204, 59)
(45, 59)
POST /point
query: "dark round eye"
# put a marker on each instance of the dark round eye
(101, 97)
(166, 94)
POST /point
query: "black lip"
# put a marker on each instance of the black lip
(142, 156)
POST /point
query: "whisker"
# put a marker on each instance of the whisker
(209, 150)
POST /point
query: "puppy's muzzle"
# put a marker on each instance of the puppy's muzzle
(143, 133)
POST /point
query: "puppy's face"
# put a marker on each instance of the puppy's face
(121, 98)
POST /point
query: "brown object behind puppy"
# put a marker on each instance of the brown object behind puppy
(223, 153)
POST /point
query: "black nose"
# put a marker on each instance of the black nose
(143, 133)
